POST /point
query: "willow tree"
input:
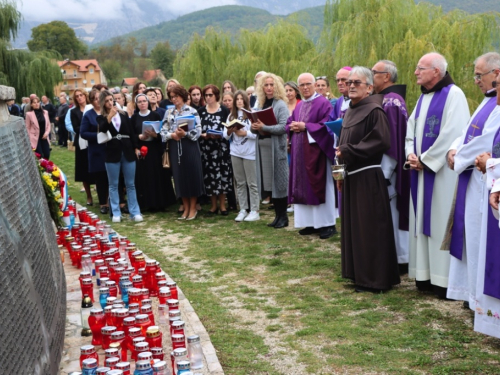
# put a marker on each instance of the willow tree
(360, 32)
(283, 49)
(27, 72)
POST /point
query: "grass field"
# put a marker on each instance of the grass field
(274, 302)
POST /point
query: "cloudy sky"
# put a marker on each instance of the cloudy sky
(88, 10)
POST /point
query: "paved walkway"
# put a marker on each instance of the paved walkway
(73, 341)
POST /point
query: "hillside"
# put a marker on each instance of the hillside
(471, 6)
(230, 18)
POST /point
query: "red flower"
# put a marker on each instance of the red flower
(44, 163)
(49, 168)
(51, 162)
(61, 184)
(38, 156)
(144, 151)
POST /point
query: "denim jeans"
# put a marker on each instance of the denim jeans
(128, 169)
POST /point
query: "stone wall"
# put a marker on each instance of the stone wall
(32, 282)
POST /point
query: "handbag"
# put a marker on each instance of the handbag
(104, 137)
(165, 159)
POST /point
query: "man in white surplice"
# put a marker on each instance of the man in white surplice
(461, 156)
(438, 123)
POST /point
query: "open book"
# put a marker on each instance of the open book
(186, 123)
(265, 115)
(237, 124)
(215, 132)
(151, 125)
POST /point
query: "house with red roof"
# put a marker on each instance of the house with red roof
(79, 74)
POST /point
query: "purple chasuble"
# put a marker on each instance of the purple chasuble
(431, 132)
(492, 266)
(397, 115)
(475, 129)
(307, 182)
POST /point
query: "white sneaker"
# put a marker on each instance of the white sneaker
(138, 218)
(242, 214)
(252, 216)
(266, 201)
(290, 209)
(117, 219)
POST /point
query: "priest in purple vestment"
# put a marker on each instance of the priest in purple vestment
(311, 187)
(385, 75)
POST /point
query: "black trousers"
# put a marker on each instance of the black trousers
(43, 148)
(63, 135)
(102, 187)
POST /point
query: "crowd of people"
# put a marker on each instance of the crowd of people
(414, 193)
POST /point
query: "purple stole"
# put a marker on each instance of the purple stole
(431, 132)
(475, 129)
(492, 266)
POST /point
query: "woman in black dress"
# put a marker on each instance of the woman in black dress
(184, 152)
(81, 99)
(196, 98)
(153, 183)
(218, 174)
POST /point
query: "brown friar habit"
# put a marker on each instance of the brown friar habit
(368, 249)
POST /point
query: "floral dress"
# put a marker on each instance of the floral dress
(216, 159)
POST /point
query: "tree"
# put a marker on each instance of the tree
(56, 36)
(143, 49)
(27, 72)
(112, 70)
(360, 32)
(162, 57)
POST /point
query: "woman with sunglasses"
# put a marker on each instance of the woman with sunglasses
(217, 170)
(367, 241)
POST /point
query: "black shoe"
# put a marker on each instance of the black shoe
(282, 221)
(424, 285)
(124, 209)
(327, 232)
(308, 230)
(440, 292)
(362, 289)
(224, 213)
(211, 213)
(90, 204)
(403, 268)
(274, 222)
(466, 305)
(104, 210)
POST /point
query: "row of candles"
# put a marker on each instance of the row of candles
(125, 324)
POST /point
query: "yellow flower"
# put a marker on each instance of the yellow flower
(56, 173)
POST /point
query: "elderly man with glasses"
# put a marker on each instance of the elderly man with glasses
(385, 76)
(475, 139)
(440, 116)
(368, 250)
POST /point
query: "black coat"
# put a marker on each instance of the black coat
(116, 147)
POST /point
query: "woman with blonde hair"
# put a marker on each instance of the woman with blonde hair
(271, 154)
(170, 83)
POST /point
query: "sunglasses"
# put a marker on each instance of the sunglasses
(355, 83)
(321, 77)
(208, 95)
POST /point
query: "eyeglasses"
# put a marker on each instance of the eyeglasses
(338, 80)
(174, 97)
(378, 72)
(306, 84)
(208, 95)
(355, 83)
(420, 68)
(479, 76)
(321, 77)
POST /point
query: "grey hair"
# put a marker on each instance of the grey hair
(492, 60)
(306, 75)
(261, 73)
(439, 62)
(390, 67)
(363, 72)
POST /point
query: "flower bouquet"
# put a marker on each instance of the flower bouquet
(55, 185)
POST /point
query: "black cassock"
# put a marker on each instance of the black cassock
(367, 238)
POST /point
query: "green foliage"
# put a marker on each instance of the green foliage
(162, 57)
(56, 36)
(283, 48)
(403, 31)
(111, 69)
(27, 72)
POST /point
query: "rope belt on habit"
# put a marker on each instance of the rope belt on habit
(362, 169)
(120, 136)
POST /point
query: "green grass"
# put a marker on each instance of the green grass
(254, 287)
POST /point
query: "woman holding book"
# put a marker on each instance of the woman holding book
(242, 147)
(184, 151)
(218, 174)
(271, 154)
(153, 183)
